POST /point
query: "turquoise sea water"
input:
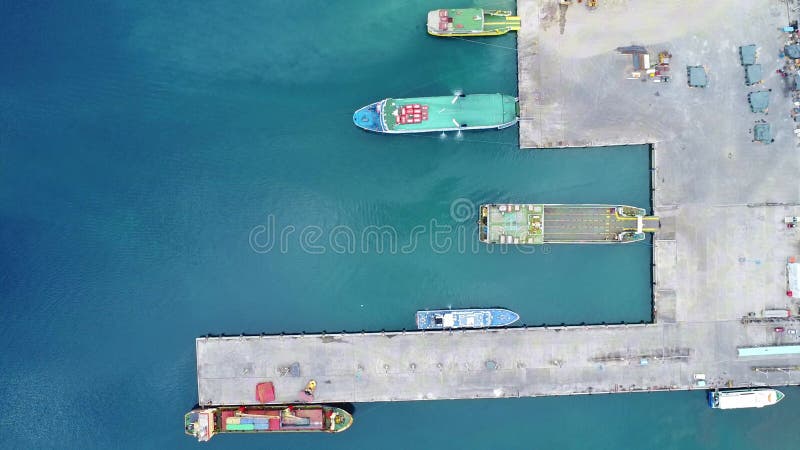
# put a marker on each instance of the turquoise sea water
(148, 152)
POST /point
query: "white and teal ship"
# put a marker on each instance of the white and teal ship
(744, 398)
(465, 318)
(436, 114)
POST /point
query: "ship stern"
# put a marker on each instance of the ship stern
(483, 224)
(433, 22)
(712, 399)
(200, 424)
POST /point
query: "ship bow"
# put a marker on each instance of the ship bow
(504, 318)
(369, 118)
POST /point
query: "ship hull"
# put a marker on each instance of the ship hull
(208, 422)
(744, 398)
(438, 114)
(476, 34)
(465, 318)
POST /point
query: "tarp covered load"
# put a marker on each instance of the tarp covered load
(632, 50)
(759, 101)
(752, 74)
(747, 54)
(762, 133)
(792, 51)
(697, 76)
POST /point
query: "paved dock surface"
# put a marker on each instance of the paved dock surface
(573, 85)
(720, 254)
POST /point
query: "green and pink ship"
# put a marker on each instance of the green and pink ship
(205, 423)
(436, 114)
(471, 22)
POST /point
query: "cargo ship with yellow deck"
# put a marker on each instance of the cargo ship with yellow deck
(471, 22)
(528, 223)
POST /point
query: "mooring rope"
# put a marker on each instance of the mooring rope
(483, 43)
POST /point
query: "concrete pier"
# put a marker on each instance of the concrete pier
(720, 255)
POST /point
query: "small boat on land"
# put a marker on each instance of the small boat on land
(744, 398)
(465, 318)
(204, 423)
(429, 114)
(471, 22)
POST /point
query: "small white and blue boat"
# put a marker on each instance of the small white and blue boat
(441, 319)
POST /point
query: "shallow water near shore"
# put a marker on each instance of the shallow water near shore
(172, 170)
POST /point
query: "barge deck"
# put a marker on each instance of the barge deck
(563, 224)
